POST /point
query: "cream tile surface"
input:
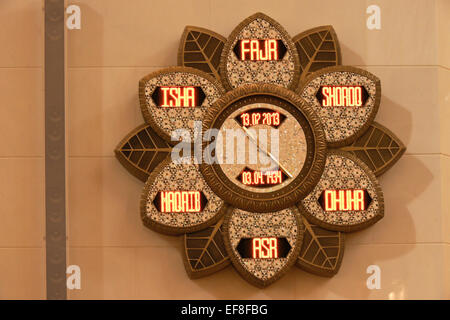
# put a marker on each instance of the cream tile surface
(106, 273)
(407, 34)
(413, 271)
(444, 108)
(409, 106)
(22, 202)
(158, 273)
(443, 28)
(447, 272)
(103, 107)
(161, 275)
(412, 194)
(103, 206)
(22, 33)
(22, 273)
(21, 112)
(445, 163)
(143, 34)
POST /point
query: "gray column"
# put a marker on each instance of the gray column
(55, 191)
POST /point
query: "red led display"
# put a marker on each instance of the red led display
(256, 50)
(345, 200)
(260, 49)
(260, 116)
(256, 178)
(174, 96)
(253, 119)
(180, 201)
(261, 178)
(342, 96)
(263, 248)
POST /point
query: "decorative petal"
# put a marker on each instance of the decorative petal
(201, 49)
(378, 147)
(176, 199)
(281, 69)
(322, 250)
(317, 48)
(141, 151)
(348, 196)
(346, 100)
(166, 119)
(280, 232)
(204, 251)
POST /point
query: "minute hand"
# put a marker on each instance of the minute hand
(250, 136)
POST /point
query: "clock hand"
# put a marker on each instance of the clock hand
(253, 139)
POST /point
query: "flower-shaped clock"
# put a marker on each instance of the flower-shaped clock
(279, 150)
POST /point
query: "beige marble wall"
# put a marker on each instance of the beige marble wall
(443, 56)
(22, 211)
(117, 45)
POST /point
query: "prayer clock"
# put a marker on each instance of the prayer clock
(279, 152)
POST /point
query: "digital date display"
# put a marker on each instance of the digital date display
(263, 248)
(345, 200)
(261, 179)
(260, 116)
(180, 201)
(176, 97)
(260, 49)
(342, 96)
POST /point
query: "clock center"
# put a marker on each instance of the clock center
(264, 147)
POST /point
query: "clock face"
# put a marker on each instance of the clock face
(265, 159)
(267, 150)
